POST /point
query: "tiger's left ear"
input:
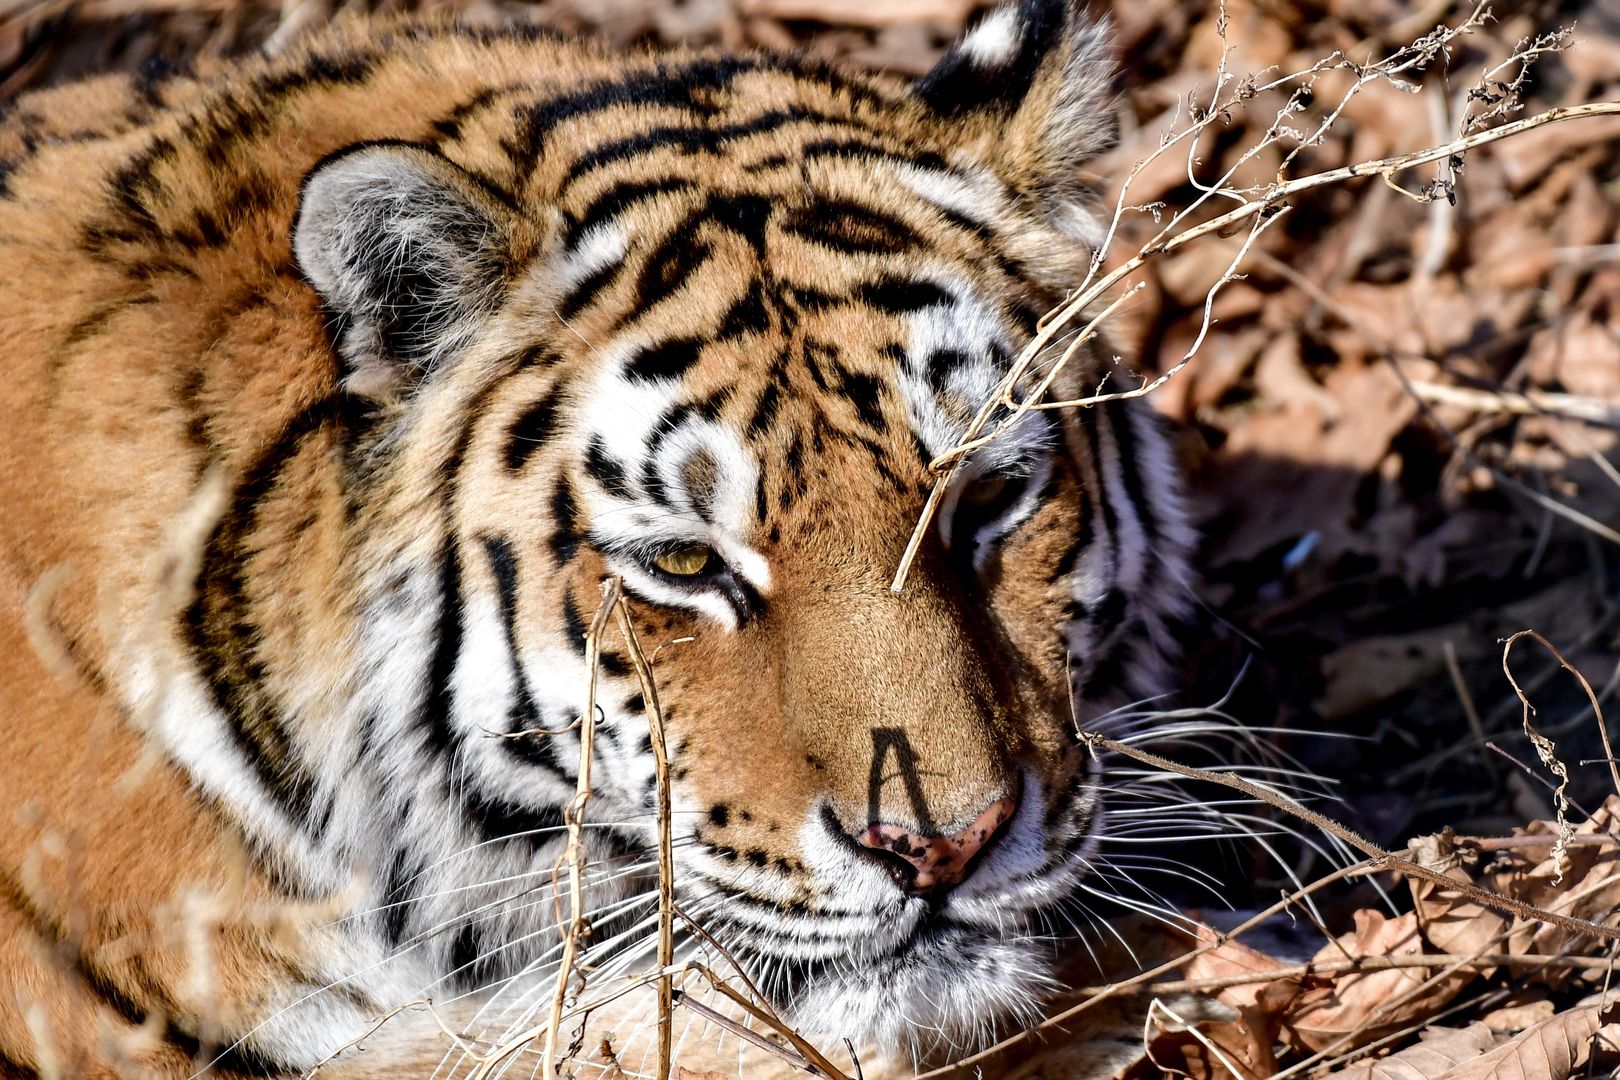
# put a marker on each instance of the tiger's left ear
(408, 252)
(1029, 89)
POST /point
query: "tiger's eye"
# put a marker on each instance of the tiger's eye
(985, 491)
(685, 562)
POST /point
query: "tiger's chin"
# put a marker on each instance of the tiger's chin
(951, 989)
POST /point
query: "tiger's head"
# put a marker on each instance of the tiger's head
(706, 336)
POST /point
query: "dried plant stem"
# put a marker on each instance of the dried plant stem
(1591, 697)
(1386, 860)
(1520, 402)
(1359, 964)
(988, 409)
(1265, 202)
(817, 1060)
(666, 843)
(575, 818)
(746, 1033)
(1157, 1006)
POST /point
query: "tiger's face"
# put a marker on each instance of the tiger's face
(707, 342)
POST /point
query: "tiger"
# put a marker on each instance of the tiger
(339, 381)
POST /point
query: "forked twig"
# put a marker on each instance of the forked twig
(666, 842)
(1597, 708)
(1265, 202)
(574, 815)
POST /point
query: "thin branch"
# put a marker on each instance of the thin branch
(1264, 203)
(666, 844)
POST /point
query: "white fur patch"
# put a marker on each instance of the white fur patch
(995, 41)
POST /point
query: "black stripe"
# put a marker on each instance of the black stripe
(852, 228)
(666, 360)
(1108, 614)
(1102, 501)
(745, 215)
(765, 410)
(396, 895)
(531, 430)
(615, 200)
(436, 707)
(980, 229)
(564, 539)
(673, 88)
(865, 393)
(583, 294)
(688, 86)
(606, 471)
(941, 364)
(747, 316)
(524, 714)
(494, 818)
(221, 627)
(1123, 418)
(902, 296)
(667, 269)
(690, 139)
(449, 125)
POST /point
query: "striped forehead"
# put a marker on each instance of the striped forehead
(694, 438)
(748, 262)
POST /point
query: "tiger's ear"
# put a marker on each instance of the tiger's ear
(407, 251)
(1030, 89)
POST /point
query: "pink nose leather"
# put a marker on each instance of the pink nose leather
(940, 861)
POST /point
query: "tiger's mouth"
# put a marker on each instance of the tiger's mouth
(926, 976)
(949, 987)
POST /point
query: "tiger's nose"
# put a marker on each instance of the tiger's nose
(930, 864)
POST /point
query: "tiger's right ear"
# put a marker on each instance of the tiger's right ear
(409, 253)
(1028, 92)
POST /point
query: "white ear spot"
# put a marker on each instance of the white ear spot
(994, 42)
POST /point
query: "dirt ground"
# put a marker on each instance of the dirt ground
(1401, 430)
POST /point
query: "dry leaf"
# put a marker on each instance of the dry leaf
(1441, 1050)
(1452, 924)
(1227, 959)
(1552, 1050)
(1519, 1016)
(1359, 1006)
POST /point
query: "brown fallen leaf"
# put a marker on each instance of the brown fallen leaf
(1358, 1007)
(1451, 924)
(1587, 886)
(1514, 1018)
(1441, 1050)
(1552, 1050)
(1227, 959)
